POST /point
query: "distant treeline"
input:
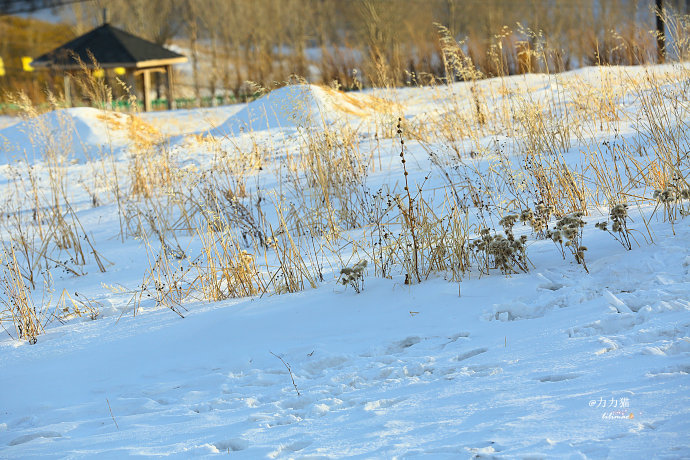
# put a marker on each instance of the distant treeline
(360, 43)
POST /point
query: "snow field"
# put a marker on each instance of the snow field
(395, 371)
(552, 363)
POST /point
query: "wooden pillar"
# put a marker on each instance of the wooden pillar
(147, 86)
(171, 93)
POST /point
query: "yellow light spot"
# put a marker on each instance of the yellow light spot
(26, 64)
(2, 68)
(120, 71)
(99, 73)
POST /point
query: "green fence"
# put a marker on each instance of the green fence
(156, 104)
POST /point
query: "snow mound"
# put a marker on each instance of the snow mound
(300, 106)
(74, 134)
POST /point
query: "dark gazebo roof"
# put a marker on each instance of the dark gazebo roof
(111, 47)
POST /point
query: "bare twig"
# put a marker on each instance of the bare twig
(287, 365)
(111, 414)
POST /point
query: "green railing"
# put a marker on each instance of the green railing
(181, 103)
(122, 105)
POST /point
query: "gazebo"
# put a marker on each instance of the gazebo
(114, 50)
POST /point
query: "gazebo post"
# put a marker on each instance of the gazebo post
(171, 94)
(147, 85)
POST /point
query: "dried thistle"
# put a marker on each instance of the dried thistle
(619, 225)
(353, 276)
(570, 227)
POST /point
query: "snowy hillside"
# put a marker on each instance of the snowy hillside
(77, 134)
(176, 289)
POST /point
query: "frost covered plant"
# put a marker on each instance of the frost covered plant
(538, 218)
(508, 222)
(510, 253)
(480, 250)
(671, 198)
(568, 234)
(507, 253)
(354, 276)
(619, 225)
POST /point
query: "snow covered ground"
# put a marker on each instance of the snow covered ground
(556, 362)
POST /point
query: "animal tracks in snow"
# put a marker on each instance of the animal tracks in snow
(672, 371)
(335, 386)
(401, 346)
(382, 404)
(231, 445)
(470, 354)
(557, 377)
(289, 448)
(30, 437)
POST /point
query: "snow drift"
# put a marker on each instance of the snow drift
(300, 106)
(75, 134)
